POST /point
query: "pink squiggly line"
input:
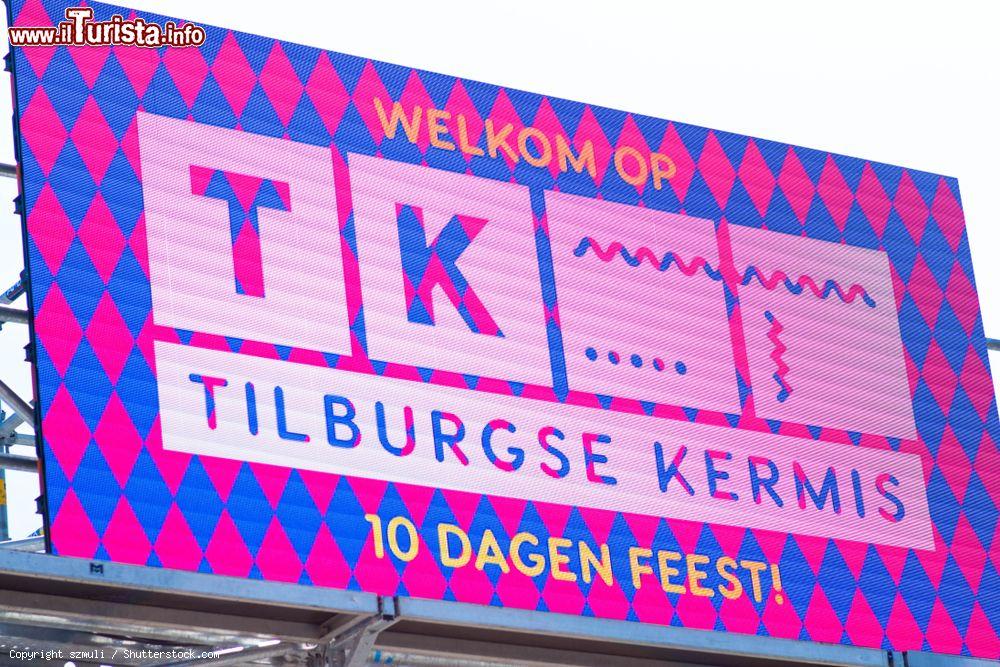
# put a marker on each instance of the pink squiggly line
(784, 389)
(644, 254)
(797, 287)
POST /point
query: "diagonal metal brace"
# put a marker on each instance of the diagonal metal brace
(20, 407)
(354, 646)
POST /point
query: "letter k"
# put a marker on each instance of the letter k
(434, 264)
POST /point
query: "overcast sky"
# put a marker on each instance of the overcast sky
(903, 82)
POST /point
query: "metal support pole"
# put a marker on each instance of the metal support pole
(13, 315)
(8, 396)
(239, 656)
(27, 544)
(15, 462)
(4, 520)
(993, 344)
(353, 648)
(8, 170)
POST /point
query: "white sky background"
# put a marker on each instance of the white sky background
(906, 82)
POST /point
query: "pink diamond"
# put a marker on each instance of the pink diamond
(835, 193)
(862, 626)
(281, 84)
(948, 214)
(89, 61)
(589, 128)
(139, 66)
(695, 612)
(188, 69)
(422, 576)
(516, 590)
(327, 93)
(66, 432)
(873, 200)
(756, 177)
(176, 546)
(369, 88)
(911, 207)
(716, 169)
(902, 629)
(117, 439)
(124, 539)
(43, 130)
(981, 635)
(101, 237)
(109, 337)
(233, 73)
(277, 559)
(33, 14)
(72, 532)
(50, 228)
(94, 140)
(795, 183)
(942, 635)
(781, 619)
(326, 565)
(227, 552)
(739, 615)
(673, 146)
(821, 621)
(58, 329)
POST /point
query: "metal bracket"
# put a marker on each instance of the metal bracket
(13, 315)
(15, 462)
(353, 647)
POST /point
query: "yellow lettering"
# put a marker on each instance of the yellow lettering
(411, 126)
(444, 544)
(436, 127)
(755, 567)
(463, 138)
(586, 159)
(393, 530)
(490, 553)
(376, 521)
(558, 559)
(662, 167)
(498, 141)
(638, 569)
(667, 571)
(537, 560)
(541, 142)
(642, 172)
(589, 561)
(727, 570)
(696, 576)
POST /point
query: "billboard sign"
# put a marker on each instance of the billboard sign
(307, 317)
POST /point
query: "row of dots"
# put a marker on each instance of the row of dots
(637, 361)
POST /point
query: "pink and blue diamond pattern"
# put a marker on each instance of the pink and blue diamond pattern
(113, 493)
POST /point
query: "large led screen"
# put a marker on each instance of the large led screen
(306, 317)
